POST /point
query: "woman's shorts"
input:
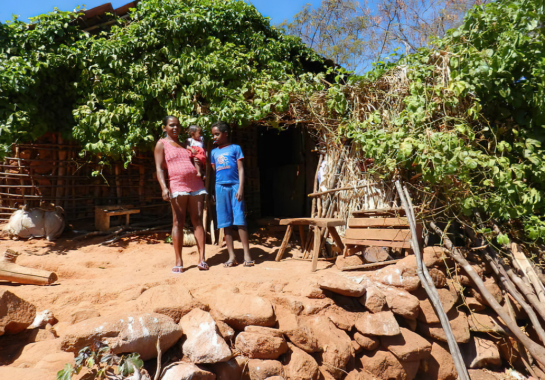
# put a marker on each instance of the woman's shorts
(230, 211)
(193, 193)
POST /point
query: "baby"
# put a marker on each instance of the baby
(195, 143)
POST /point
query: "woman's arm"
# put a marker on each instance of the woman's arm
(240, 192)
(159, 154)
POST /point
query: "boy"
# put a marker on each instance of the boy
(226, 161)
(195, 143)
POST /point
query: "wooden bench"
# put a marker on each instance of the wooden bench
(104, 213)
(318, 223)
(378, 228)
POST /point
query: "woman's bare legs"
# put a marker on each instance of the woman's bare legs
(196, 206)
(179, 207)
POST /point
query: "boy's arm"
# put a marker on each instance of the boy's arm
(240, 192)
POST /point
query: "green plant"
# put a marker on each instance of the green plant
(102, 363)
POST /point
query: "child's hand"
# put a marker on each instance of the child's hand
(192, 150)
(240, 194)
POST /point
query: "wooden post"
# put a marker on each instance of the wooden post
(302, 236)
(316, 252)
(285, 242)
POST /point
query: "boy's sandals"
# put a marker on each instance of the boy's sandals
(230, 264)
(203, 266)
(249, 263)
(178, 270)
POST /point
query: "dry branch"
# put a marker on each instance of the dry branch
(537, 351)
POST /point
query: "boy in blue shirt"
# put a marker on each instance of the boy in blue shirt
(226, 161)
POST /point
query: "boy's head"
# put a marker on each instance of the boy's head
(220, 132)
(195, 132)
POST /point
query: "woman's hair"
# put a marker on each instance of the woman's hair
(167, 118)
(221, 125)
(194, 128)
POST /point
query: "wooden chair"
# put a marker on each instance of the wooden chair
(378, 228)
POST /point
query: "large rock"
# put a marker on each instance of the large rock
(264, 331)
(187, 371)
(335, 345)
(435, 256)
(341, 285)
(385, 366)
(16, 314)
(374, 299)
(171, 300)
(343, 319)
(203, 343)
(231, 369)
(260, 346)
(375, 254)
(297, 330)
(399, 275)
(439, 366)
(401, 302)
(301, 305)
(380, 324)
(299, 365)
(263, 369)
(34, 352)
(407, 346)
(368, 343)
(448, 298)
(458, 323)
(481, 353)
(241, 310)
(55, 362)
(124, 333)
(349, 261)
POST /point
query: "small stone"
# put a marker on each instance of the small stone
(368, 343)
(381, 324)
(458, 323)
(492, 287)
(398, 275)
(299, 365)
(258, 346)
(349, 261)
(240, 310)
(448, 298)
(341, 285)
(343, 319)
(385, 366)
(263, 369)
(485, 323)
(16, 314)
(264, 331)
(374, 300)
(401, 302)
(231, 369)
(481, 353)
(297, 330)
(439, 366)
(407, 346)
(203, 344)
(375, 254)
(313, 291)
(225, 330)
(438, 277)
(474, 305)
(187, 371)
(435, 256)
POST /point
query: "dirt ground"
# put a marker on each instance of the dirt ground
(109, 279)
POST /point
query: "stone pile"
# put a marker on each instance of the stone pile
(334, 325)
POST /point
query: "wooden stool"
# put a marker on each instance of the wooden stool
(103, 214)
(318, 223)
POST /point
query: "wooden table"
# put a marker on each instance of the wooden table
(318, 223)
(103, 214)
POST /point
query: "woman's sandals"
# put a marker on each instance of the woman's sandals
(203, 266)
(178, 270)
(249, 263)
(230, 264)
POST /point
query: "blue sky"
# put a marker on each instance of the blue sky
(277, 10)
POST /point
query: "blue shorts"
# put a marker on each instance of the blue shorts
(229, 210)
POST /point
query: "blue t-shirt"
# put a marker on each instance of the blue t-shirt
(225, 161)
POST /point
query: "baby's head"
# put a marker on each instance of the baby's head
(195, 132)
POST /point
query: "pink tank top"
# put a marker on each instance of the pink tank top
(182, 174)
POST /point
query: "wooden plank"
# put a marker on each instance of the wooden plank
(335, 236)
(378, 234)
(320, 222)
(377, 243)
(285, 242)
(122, 212)
(316, 251)
(377, 222)
(379, 211)
(528, 271)
(371, 265)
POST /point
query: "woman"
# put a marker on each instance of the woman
(186, 189)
